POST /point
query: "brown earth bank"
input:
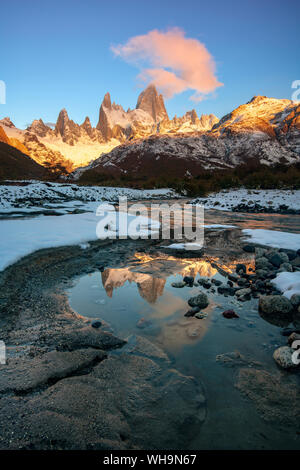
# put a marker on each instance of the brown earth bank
(17, 165)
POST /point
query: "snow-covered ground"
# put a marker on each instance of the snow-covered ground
(20, 237)
(288, 283)
(63, 198)
(273, 238)
(227, 200)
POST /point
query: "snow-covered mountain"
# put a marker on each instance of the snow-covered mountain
(265, 130)
(72, 145)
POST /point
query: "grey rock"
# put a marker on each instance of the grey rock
(188, 279)
(263, 263)
(233, 277)
(200, 301)
(178, 284)
(240, 267)
(295, 300)
(277, 260)
(261, 273)
(242, 292)
(249, 248)
(293, 337)
(296, 261)
(275, 304)
(216, 282)
(283, 357)
(192, 312)
(285, 267)
(201, 315)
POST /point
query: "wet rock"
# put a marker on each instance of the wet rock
(283, 357)
(25, 375)
(260, 252)
(216, 282)
(240, 267)
(235, 359)
(259, 285)
(249, 248)
(276, 260)
(241, 281)
(285, 267)
(96, 324)
(230, 283)
(230, 314)
(224, 290)
(178, 284)
(290, 253)
(85, 337)
(206, 285)
(295, 300)
(293, 337)
(200, 301)
(201, 315)
(261, 273)
(296, 261)
(192, 312)
(263, 263)
(140, 345)
(275, 304)
(276, 400)
(242, 292)
(188, 279)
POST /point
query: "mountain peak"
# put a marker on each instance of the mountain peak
(39, 128)
(153, 103)
(61, 122)
(106, 101)
(7, 122)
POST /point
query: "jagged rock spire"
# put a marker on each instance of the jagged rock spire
(153, 103)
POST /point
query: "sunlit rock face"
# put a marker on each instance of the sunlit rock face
(73, 145)
(152, 103)
(3, 136)
(263, 131)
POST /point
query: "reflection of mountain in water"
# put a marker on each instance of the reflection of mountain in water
(150, 273)
(150, 288)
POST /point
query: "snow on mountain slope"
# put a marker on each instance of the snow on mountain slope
(264, 130)
(71, 144)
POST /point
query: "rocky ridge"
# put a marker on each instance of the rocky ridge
(263, 131)
(81, 143)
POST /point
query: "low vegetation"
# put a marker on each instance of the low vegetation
(250, 176)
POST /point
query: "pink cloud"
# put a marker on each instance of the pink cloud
(172, 62)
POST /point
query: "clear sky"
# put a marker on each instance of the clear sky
(57, 54)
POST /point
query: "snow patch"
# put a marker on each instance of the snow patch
(288, 283)
(273, 238)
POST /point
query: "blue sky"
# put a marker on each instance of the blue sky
(57, 54)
